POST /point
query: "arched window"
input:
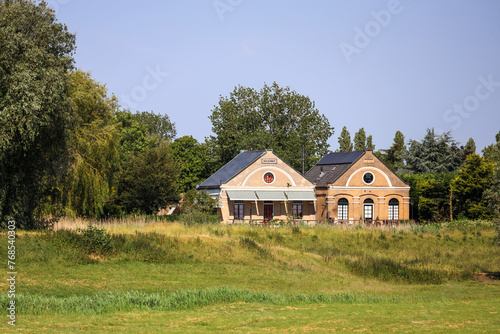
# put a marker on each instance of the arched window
(368, 209)
(393, 209)
(343, 209)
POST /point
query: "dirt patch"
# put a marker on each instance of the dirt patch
(487, 276)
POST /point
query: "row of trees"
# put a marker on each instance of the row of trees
(67, 148)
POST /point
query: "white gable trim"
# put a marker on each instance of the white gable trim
(269, 168)
(369, 168)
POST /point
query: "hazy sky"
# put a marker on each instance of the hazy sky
(382, 65)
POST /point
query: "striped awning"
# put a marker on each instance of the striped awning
(270, 195)
(241, 195)
(301, 195)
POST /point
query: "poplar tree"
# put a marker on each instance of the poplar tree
(369, 143)
(345, 141)
(394, 156)
(360, 140)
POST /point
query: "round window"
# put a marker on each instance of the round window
(269, 177)
(368, 178)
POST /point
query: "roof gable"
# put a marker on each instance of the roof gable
(269, 162)
(231, 169)
(335, 166)
(332, 166)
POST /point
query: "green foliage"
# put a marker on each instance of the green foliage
(491, 195)
(470, 147)
(192, 215)
(84, 188)
(192, 159)
(133, 134)
(492, 152)
(199, 200)
(434, 154)
(360, 140)
(35, 112)
(430, 194)
(158, 127)
(273, 118)
(147, 181)
(90, 99)
(95, 164)
(369, 143)
(96, 240)
(91, 240)
(472, 181)
(345, 141)
(394, 156)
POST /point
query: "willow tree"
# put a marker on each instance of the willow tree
(273, 118)
(93, 146)
(35, 111)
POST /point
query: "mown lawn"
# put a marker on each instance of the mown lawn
(174, 278)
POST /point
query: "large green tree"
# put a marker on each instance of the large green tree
(434, 154)
(147, 181)
(191, 157)
(157, 126)
(472, 181)
(273, 118)
(430, 196)
(35, 111)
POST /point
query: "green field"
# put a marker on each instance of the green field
(149, 276)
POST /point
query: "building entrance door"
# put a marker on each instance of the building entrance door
(268, 211)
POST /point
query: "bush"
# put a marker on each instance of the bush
(96, 240)
(193, 216)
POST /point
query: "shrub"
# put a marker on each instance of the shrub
(95, 240)
(193, 216)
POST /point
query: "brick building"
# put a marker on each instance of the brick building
(357, 186)
(258, 186)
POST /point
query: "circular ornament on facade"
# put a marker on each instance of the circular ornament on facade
(268, 177)
(368, 178)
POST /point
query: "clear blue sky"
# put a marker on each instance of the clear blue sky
(382, 65)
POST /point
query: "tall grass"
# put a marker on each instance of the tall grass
(432, 254)
(106, 302)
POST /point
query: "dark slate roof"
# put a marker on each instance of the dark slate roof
(332, 166)
(231, 169)
(340, 158)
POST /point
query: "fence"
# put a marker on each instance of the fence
(331, 222)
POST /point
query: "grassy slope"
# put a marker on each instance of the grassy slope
(367, 262)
